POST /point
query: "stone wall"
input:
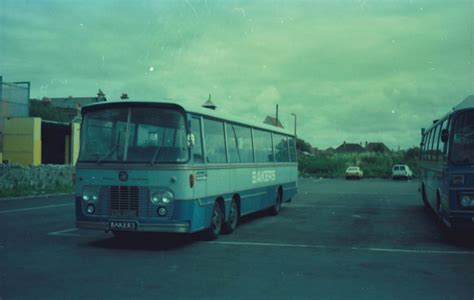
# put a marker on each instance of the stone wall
(35, 179)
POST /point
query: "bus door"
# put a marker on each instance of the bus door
(200, 174)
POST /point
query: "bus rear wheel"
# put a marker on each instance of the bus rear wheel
(275, 209)
(217, 220)
(233, 218)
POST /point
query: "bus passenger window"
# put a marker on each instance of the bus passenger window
(263, 146)
(215, 142)
(281, 148)
(197, 148)
(239, 143)
(292, 144)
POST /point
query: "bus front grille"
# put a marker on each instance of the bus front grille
(124, 201)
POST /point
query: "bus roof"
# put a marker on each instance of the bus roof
(200, 111)
(465, 104)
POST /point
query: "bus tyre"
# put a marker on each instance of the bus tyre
(217, 220)
(233, 218)
(423, 197)
(275, 209)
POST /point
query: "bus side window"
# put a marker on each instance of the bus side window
(263, 146)
(427, 146)
(198, 157)
(445, 145)
(436, 142)
(292, 145)
(239, 143)
(215, 142)
(281, 148)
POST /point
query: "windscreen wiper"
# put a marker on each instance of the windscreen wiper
(155, 155)
(112, 151)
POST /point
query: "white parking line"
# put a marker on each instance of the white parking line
(394, 250)
(34, 208)
(64, 232)
(360, 193)
(339, 206)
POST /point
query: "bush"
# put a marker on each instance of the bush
(374, 164)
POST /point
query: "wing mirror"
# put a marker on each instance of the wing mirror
(191, 139)
(444, 135)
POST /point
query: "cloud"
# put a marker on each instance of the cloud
(349, 70)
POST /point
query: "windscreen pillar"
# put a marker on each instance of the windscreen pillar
(74, 142)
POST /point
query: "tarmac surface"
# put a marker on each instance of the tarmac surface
(337, 239)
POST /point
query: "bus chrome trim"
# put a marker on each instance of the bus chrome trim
(468, 189)
(175, 227)
(253, 195)
(187, 167)
(467, 212)
(203, 202)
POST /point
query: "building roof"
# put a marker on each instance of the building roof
(374, 147)
(74, 102)
(348, 147)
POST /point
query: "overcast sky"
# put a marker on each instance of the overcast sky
(352, 71)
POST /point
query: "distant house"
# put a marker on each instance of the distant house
(349, 148)
(376, 147)
(329, 150)
(74, 102)
(273, 121)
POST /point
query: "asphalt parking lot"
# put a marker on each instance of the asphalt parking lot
(368, 239)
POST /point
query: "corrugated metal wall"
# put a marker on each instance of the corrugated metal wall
(14, 102)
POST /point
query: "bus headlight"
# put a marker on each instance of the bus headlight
(161, 197)
(467, 200)
(90, 196)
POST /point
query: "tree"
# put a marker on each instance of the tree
(303, 146)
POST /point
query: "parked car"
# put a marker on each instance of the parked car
(401, 171)
(354, 172)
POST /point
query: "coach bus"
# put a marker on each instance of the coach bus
(447, 166)
(166, 167)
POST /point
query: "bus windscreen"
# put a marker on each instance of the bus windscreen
(462, 151)
(134, 134)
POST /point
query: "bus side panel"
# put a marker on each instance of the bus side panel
(258, 185)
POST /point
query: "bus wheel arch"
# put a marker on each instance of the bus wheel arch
(232, 218)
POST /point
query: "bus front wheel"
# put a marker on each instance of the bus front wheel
(217, 220)
(424, 198)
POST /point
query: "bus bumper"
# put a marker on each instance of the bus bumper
(141, 227)
(462, 220)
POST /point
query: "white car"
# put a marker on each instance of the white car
(354, 172)
(401, 171)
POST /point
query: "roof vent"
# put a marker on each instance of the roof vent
(209, 104)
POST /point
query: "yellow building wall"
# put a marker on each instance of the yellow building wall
(22, 140)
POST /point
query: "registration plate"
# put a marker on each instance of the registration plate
(123, 225)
